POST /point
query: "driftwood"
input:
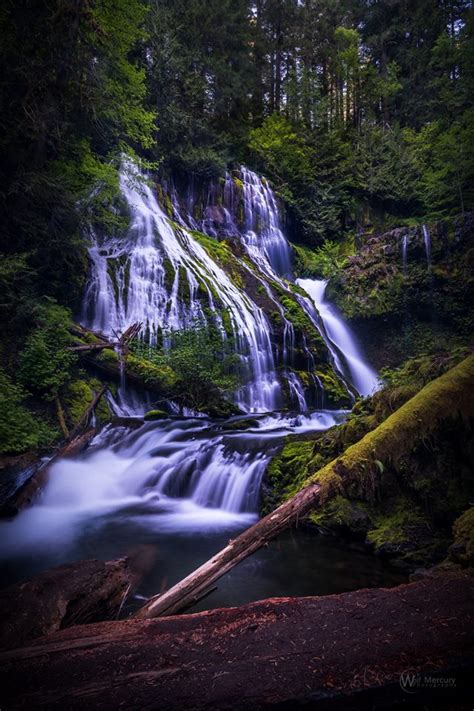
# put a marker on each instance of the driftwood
(329, 653)
(120, 345)
(437, 402)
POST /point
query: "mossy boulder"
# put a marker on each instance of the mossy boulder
(155, 415)
(159, 377)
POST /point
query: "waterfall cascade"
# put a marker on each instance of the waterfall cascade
(179, 475)
(161, 275)
(347, 356)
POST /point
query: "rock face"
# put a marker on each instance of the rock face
(341, 651)
(73, 594)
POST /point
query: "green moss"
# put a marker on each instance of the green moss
(340, 513)
(227, 322)
(399, 529)
(402, 480)
(79, 396)
(334, 389)
(183, 285)
(158, 376)
(287, 472)
(108, 355)
(169, 274)
(155, 415)
(462, 550)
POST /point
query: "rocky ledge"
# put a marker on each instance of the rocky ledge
(370, 648)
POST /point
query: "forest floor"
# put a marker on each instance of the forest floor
(370, 648)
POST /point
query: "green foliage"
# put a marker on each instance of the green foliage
(327, 260)
(44, 363)
(446, 165)
(282, 148)
(73, 97)
(384, 168)
(203, 366)
(20, 429)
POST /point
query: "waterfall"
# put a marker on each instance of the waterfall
(427, 243)
(405, 254)
(347, 356)
(161, 276)
(186, 475)
(263, 238)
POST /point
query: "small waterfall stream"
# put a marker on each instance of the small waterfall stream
(186, 479)
(346, 353)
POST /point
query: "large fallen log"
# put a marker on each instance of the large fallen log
(73, 594)
(339, 652)
(447, 397)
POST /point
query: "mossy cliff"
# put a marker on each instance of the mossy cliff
(399, 307)
(399, 481)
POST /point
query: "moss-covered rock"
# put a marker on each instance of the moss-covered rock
(155, 415)
(78, 397)
(160, 377)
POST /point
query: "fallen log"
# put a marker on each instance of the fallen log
(345, 651)
(443, 399)
(73, 594)
(120, 345)
(84, 420)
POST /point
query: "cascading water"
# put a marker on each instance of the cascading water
(154, 275)
(168, 480)
(427, 243)
(346, 354)
(262, 236)
(405, 254)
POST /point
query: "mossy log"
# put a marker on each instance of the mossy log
(447, 397)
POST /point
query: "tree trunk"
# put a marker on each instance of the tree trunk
(60, 414)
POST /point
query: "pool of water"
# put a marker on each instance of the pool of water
(174, 493)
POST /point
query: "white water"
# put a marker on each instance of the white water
(188, 475)
(140, 292)
(263, 237)
(427, 243)
(405, 253)
(341, 341)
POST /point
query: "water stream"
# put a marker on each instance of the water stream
(185, 485)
